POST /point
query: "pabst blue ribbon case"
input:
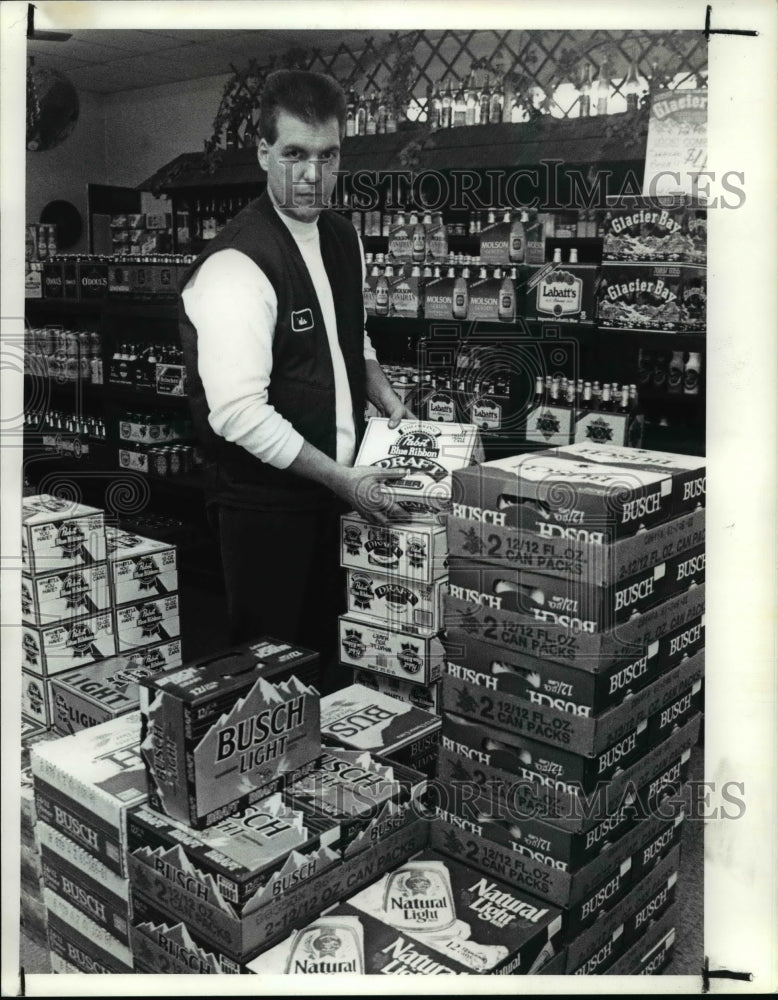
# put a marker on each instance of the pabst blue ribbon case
(58, 533)
(424, 696)
(397, 603)
(485, 926)
(100, 691)
(428, 451)
(75, 643)
(62, 596)
(85, 783)
(140, 567)
(386, 650)
(145, 623)
(217, 737)
(415, 552)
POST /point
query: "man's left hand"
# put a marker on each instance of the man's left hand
(397, 413)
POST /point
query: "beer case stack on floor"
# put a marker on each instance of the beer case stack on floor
(575, 635)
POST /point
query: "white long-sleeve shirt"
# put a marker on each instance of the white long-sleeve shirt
(232, 306)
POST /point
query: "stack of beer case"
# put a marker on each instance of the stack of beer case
(397, 573)
(251, 827)
(573, 688)
(32, 908)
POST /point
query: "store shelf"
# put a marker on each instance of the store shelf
(67, 308)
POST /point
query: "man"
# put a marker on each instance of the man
(272, 327)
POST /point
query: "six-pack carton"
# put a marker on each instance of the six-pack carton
(386, 650)
(58, 533)
(424, 696)
(412, 552)
(395, 602)
(217, 736)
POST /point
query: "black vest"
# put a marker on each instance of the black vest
(302, 385)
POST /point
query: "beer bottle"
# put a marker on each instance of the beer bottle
(691, 375)
(624, 404)
(596, 395)
(633, 397)
(435, 105)
(537, 399)
(554, 395)
(516, 241)
(506, 309)
(460, 294)
(471, 98)
(570, 395)
(459, 113)
(370, 120)
(675, 375)
(381, 115)
(485, 101)
(446, 108)
(585, 100)
(351, 113)
(361, 117)
(605, 400)
(391, 116)
(603, 88)
(631, 87)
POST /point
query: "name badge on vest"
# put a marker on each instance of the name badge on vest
(302, 320)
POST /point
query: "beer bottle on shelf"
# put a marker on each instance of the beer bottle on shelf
(537, 399)
(471, 98)
(460, 296)
(570, 395)
(553, 399)
(633, 397)
(351, 113)
(624, 404)
(596, 394)
(485, 100)
(391, 116)
(370, 120)
(381, 114)
(691, 375)
(605, 400)
(435, 104)
(603, 88)
(459, 107)
(361, 116)
(506, 307)
(585, 100)
(675, 374)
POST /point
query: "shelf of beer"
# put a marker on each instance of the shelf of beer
(129, 395)
(65, 308)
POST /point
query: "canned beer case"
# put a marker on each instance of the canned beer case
(68, 594)
(82, 950)
(58, 533)
(147, 622)
(37, 704)
(481, 924)
(424, 696)
(140, 567)
(217, 736)
(386, 650)
(395, 602)
(417, 552)
(55, 648)
(645, 230)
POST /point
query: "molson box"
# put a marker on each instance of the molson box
(424, 696)
(646, 231)
(395, 602)
(492, 299)
(85, 783)
(561, 293)
(262, 853)
(446, 298)
(91, 695)
(418, 552)
(576, 487)
(357, 718)
(429, 452)
(367, 798)
(402, 653)
(217, 737)
(484, 925)
(641, 297)
(52, 649)
(405, 292)
(147, 622)
(58, 533)
(140, 567)
(71, 593)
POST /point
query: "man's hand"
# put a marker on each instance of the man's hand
(398, 412)
(382, 395)
(362, 488)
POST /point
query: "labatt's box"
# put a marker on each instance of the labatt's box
(147, 622)
(486, 926)
(140, 567)
(358, 718)
(575, 487)
(367, 797)
(395, 602)
(400, 653)
(75, 643)
(71, 593)
(57, 533)
(427, 451)
(424, 696)
(88, 696)
(561, 293)
(597, 607)
(263, 853)
(413, 552)
(217, 737)
(85, 783)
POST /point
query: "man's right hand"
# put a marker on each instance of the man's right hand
(362, 487)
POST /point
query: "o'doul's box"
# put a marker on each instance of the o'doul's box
(85, 783)
(217, 737)
(52, 649)
(427, 451)
(93, 694)
(418, 552)
(62, 596)
(357, 718)
(140, 567)
(424, 696)
(58, 533)
(401, 653)
(483, 925)
(396, 603)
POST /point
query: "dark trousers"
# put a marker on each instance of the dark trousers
(283, 579)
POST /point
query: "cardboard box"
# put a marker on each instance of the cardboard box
(28, 815)
(646, 231)
(53, 280)
(575, 487)
(677, 712)
(34, 920)
(357, 718)
(81, 950)
(424, 696)
(366, 797)
(241, 863)
(686, 473)
(501, 790)
(36, 700)
(652, 953)
(603, 429)
(405, 293)
(91, 695)
(50, 650)
(563, 643)
(694, 297)
(400, 653)
(499, 672)
(489, 411)
(439, 405)
(416, 552)
(395, 602)
(215, 741)
(72, 874)
(70, 593)
(58, 533)
(593, 607)
(428, 451)
(550, 425)
(241, 939)
(641, 297)
(140, 567)
(486, 926)
(147, 622)
(492, 299)
(85, 783)
(171, 380)
(446, 298)
(570, 552)
(560, 293)
(93, 280)
(31, 870)
(33, 279)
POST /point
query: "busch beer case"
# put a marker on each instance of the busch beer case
(58, 533)
(217, 736)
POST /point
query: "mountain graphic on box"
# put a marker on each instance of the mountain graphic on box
(177, 940)
(159, 859)
(316, 863)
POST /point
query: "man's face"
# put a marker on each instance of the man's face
(301, 165)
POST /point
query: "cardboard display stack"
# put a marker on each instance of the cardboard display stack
(397, 573)
(574, 643)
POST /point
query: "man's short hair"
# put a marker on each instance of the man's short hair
(312, 97)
